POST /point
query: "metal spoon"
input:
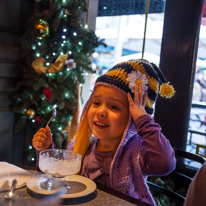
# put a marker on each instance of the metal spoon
(53, 115)
(10, 195)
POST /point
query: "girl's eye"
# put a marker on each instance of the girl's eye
(96, 103)
(114, 108)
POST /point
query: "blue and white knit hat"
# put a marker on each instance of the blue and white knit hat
(126, 75)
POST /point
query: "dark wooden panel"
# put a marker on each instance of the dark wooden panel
(22, 142)
(10, 13)
(18, 148)
(178, 57)
(6, 99)
(7, 84)
(10, 70)
(13, 22)
(10, 30)
(26, 11)
(6, 136)
(10, 54)
(8, 38)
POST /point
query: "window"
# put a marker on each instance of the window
(197, 124)
(128, 32)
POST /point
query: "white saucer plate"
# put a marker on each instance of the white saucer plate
(33, 185)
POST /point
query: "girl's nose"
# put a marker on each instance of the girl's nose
(102, 112)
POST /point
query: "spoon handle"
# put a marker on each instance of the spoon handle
(53, 116)
(14, 182)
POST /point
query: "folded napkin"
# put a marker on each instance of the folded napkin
(8, 172)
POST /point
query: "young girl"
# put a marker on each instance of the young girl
(127, 145)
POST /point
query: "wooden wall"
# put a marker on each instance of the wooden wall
(13, 20)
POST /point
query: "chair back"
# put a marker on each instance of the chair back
(180, 178)
(177, 198)
(188, 169)
(190, 156)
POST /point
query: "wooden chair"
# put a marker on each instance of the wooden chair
(177, 198)
(183, 168)
(179, 177)
(188, 155)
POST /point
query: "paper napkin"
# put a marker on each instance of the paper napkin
(8, 172)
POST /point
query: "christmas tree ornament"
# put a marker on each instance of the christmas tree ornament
(71, 64)
(47, 93)
(68, 12)
(39, 64)
(37, 120)
(30, 113)
(41, 29)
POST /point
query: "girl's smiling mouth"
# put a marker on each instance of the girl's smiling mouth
(100, 124)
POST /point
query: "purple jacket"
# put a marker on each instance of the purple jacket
(142, 152)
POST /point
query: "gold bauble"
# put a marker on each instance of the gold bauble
(41, 28)
(67, 12)
(30, 113)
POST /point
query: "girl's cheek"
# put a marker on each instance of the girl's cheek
(90, 115)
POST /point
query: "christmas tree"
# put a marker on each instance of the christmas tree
(57, 47)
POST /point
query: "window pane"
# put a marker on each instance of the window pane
(197, 124)
(124, 38)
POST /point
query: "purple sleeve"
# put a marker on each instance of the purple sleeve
(37, 154)
(157, 155)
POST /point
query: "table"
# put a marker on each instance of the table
(102, 196)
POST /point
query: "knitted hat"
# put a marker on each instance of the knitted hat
(126, 75)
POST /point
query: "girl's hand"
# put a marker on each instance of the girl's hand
(42, 139)
(137, 107)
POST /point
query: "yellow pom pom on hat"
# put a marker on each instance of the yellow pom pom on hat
(167, 90)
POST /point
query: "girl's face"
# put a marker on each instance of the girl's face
(108, 114)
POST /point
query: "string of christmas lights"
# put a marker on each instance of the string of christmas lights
(56, 49)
